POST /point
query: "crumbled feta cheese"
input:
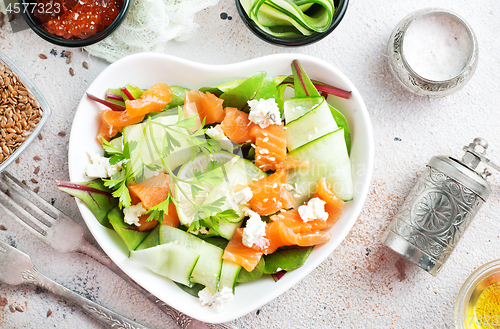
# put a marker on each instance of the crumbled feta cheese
(100, 167)
(132, 214)
(255, 231)
(206, 297)
(315, 209)
(243, 196)
(217, 133)
(219, 299)
(224, 296)
(264, 112)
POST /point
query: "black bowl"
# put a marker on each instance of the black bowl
(340, 9)
(37, 26)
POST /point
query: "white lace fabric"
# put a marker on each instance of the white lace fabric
(149, 25)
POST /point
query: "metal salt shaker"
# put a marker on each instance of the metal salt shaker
(440, 207)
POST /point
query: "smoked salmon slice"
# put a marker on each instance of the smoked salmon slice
(206, 105)
(270, 146)
(270, 194)
(120, 119)
(238, 253)
(292, 220)
(152, 100)
(237, 126)
(106, 131)
(150, 192)
(313, 238)
(333, 206)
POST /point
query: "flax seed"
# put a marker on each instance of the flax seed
(3, 228)
(49, 313)
(40, 137)
(37, 170)
(37, 158)
(71, 71)
(12, 308)
(85, 65)
(36, 189)
(34, 181)
(19, 309)
(62, 133)
(19, 111)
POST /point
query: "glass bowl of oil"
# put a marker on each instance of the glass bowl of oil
(478, 302)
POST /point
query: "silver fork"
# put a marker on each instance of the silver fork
(16, 268)
(65, 235)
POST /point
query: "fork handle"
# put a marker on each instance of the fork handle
(105, 316)
(181, 319)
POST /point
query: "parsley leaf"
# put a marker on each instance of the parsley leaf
(157, 212)
(116, 155)
(118, 183)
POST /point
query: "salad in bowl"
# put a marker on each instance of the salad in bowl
(210, 189)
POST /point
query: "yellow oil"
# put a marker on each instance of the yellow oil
(483, 309)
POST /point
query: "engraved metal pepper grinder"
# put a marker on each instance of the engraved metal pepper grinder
(440, 207)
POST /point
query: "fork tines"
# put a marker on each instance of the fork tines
(18, 202)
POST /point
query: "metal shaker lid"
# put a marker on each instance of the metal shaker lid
(464, 170)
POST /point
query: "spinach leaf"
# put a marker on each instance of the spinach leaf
(259, 85)
(130, 235)
(258, 271)
(193, 291)
(95, 195)
(342, 123)
(286, 259)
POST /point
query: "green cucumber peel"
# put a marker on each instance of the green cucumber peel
(290, 19)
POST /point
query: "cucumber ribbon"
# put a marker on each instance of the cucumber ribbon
(290, 18)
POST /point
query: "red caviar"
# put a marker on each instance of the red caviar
(80, 19)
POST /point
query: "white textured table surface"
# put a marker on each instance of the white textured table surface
(362, 284)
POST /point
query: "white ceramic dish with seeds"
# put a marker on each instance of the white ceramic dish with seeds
(16, 126)
(146, 69)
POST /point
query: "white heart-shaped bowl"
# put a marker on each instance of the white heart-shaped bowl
(146, 69)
